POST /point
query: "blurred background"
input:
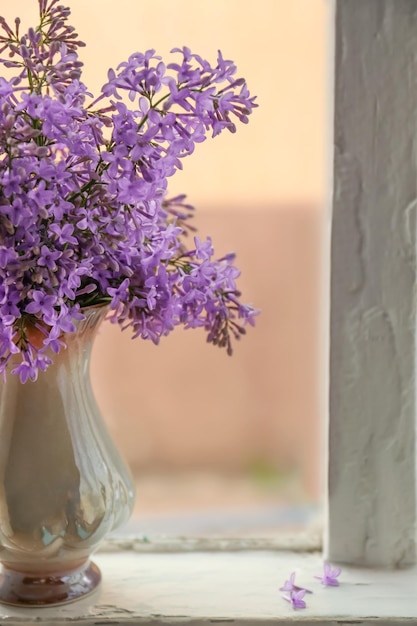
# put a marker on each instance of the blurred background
(220, 444)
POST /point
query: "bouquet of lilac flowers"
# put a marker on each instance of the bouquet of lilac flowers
(84, 214)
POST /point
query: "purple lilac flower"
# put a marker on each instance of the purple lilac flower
(9, 309)
(48, 258)
(290, 585)
(330, 575)
(41, 303)
(295, 598)
(26, 370)
(85, 217)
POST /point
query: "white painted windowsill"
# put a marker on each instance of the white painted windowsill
(187, 586)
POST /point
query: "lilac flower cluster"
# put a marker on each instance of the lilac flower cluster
(84, 214)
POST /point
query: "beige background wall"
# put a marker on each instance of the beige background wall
(260, 192)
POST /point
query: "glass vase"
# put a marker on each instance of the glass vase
(63, 486)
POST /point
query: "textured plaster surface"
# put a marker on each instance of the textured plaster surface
(239, 588)
(372, 503)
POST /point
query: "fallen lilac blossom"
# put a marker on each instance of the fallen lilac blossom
(296, 599)
(330, 575)
(290, 585)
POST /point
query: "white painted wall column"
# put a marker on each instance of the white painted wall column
(372, 430)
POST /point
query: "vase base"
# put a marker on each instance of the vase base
(23, 589)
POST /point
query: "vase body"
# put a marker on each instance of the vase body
(63, 486)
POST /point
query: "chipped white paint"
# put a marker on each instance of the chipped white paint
(198, 589)
(372, 474)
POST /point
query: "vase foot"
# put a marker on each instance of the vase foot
(23, 589)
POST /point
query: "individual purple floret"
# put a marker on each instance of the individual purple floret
(85, 215)
(290, 585)
(329, 577)
(295, 598)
